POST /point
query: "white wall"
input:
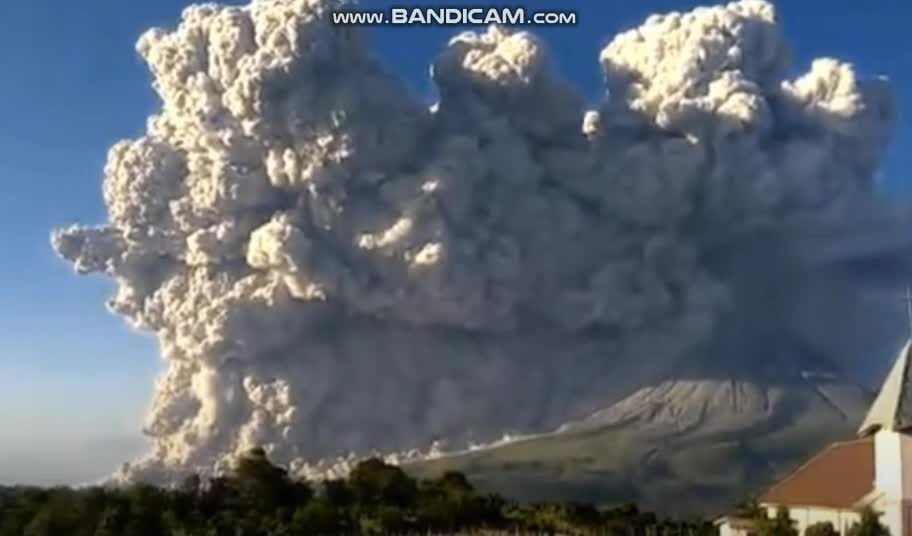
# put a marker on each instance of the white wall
(893, 456)
(725, 529)
(888, 456)
(807, 516)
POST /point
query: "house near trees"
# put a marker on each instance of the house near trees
(871, 472)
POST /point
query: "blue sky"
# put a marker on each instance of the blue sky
(74, 380)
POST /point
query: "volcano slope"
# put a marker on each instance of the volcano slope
(695, 443)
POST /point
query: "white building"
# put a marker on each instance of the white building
(874, 470)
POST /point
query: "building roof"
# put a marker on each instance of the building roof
(838, 477)
(892, 410)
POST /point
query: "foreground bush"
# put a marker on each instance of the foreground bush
(259, 499)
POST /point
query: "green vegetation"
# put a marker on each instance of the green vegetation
(824, 528)
(259, 499)
(869, 525)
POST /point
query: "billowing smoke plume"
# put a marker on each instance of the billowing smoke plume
(330, 266)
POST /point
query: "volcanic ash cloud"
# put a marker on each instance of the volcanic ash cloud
(330, 266)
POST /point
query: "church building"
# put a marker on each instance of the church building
(874, 470)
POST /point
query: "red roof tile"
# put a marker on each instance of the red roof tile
(838, 477)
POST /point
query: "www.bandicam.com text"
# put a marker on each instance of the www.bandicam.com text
(454, 16)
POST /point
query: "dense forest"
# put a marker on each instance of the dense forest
(260, 499)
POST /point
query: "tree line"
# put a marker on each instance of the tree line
(259, 498)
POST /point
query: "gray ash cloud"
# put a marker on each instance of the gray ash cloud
(330, 266)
